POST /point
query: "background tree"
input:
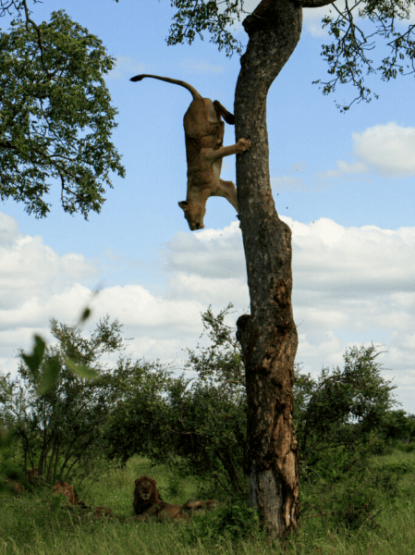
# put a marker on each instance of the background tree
(342, 411)
(60, 429)
(56, 116)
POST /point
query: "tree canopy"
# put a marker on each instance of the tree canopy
(348, 54)
(56, 114)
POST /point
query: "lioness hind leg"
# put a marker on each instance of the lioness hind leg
(228, 191)
(222, 111)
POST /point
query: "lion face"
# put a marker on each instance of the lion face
(67, 490)
(194, 212)
(145, 490)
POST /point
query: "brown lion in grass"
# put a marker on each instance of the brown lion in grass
(148, 502)
(67, 490)
(14, 485)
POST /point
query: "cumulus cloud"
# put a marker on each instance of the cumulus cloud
(298, 167)
(287, 183)
(200, 66)
(387, 150)
(124, 67)
(31, 270)
(351, 286)
(312, 18)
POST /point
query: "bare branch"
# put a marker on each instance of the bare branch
(315, 3)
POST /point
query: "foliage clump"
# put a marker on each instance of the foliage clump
(197, 426)
(56, 115)
(57, 421)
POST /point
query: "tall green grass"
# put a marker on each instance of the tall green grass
(27, 526)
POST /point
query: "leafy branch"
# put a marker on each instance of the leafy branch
(57, 117)
(347, 56)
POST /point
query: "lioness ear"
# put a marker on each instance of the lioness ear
(183, 204)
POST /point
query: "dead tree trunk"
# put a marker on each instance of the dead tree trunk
(268, 336)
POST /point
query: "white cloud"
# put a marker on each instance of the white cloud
(287, 183)
(298, 167)
(312, 20)
(346, 169)
(29, 269)
(200, 66)
(125, 67)
(387, 150)
(351, 286)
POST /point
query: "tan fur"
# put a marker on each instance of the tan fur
(103, 511)
(67, 490)
(31, 475)
(14, 486)
(204, 131)
(148, 503)
(193, 506)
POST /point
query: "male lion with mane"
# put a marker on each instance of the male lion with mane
(148, 502)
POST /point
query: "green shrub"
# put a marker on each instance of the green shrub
(234, 522)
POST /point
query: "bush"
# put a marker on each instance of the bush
(54, 414)
(353, 502)
(234, 522)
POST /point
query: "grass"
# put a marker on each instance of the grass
(26, 526)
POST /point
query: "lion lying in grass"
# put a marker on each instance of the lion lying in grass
(16, 487)
(67, 490)
(148, 502)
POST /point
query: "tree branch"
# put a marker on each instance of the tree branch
(39, 36)
(7, 144)
(315, 3)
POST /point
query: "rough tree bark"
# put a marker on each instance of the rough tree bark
(268, 336)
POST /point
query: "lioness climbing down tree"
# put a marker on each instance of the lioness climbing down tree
(204, 131)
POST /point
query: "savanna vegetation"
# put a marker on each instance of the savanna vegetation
(57, 120)
(188, 432)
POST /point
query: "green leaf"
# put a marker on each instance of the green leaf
(49, 376)
(6, 438)
(80, 369)
(85, 314)
(34, 360)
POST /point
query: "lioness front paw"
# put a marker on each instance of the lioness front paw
(243, 144)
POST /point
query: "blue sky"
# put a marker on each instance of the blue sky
(343, 182)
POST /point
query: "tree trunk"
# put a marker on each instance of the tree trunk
(268, 336)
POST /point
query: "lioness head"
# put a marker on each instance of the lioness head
(67, 490)
(194, 214)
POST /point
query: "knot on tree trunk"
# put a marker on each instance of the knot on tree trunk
(244, 331)
(259, 18)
